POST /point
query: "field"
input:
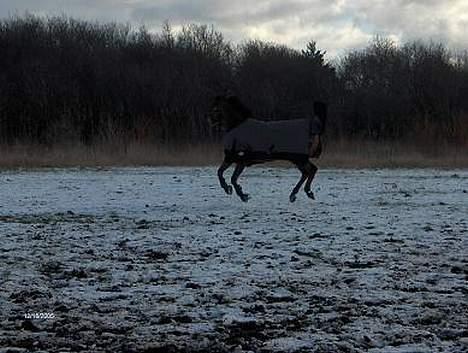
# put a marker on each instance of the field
(161, 260)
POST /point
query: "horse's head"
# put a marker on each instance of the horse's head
(228, 112)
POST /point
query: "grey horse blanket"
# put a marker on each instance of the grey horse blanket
(282, 136)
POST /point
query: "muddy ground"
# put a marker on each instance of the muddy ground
(161, 260)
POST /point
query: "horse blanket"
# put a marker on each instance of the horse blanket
(270, 138)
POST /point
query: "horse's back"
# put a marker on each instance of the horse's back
(289, 136)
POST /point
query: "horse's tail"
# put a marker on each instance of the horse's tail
(321, 111)
(317, 127)
(315, 146)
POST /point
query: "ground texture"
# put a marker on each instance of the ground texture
(161, 260)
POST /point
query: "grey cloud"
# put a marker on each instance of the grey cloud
(177, 11)
(335, 24)
(222, 12)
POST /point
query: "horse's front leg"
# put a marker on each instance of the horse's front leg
(225, 165)
(304, 175)
(311, 171)
(237, 172)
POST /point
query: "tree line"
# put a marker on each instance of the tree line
(65, 80)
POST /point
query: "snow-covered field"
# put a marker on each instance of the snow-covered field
(161, 260)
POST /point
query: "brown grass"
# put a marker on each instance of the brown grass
(21, 156)
(341, 154)
(369, 154)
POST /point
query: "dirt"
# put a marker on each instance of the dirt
(161, 260)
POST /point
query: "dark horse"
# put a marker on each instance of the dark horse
(248, 141)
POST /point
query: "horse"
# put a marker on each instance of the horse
(248, 141)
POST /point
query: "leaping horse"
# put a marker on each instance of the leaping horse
(248, 141)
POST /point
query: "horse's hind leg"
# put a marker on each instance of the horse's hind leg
(237, 172)
(225, 165)
(311, 171)
(292, 196)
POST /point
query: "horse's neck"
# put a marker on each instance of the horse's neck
(235, 120)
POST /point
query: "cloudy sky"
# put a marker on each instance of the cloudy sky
(336, 25)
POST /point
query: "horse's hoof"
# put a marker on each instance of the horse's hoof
(244, 197)
(228, 190)
(292, 198)
(310, 194)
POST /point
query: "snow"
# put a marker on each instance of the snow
(142, 259)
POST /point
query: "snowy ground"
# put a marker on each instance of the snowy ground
(161, 260)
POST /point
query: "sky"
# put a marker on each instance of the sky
(336, 25)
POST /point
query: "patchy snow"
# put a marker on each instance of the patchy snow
(160, 259)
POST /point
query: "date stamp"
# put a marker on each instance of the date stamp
(40, 315)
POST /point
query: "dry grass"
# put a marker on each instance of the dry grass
(108, 155)
(342, 154)
(368, 154)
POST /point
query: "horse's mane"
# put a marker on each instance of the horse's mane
(238, 106)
